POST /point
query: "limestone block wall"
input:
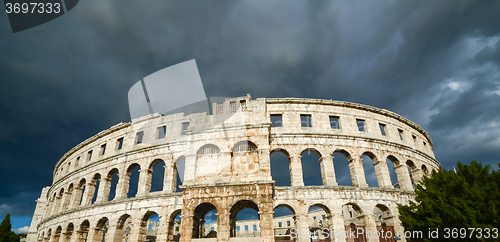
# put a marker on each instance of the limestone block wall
(223, 161)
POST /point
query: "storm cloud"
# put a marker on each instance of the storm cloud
(436, 63)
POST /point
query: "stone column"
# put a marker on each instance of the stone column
(328, 171)
(265, 162)
(223, 225)
(138, 232)
(122, 186)
(417, 175)
(114, 234)
(187, 227)
(296, 171)
(302, 227)
(144, 185)
(357, 172)
(170, 179)
(190, 168)
(66, 200)
(104, 187)
(382, 173)
(57, 205)
(370, 227)
(76, 195)
(162, 232)
(404, 178)
(266, 225)
(89, 194)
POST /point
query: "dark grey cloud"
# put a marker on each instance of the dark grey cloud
(436, 63)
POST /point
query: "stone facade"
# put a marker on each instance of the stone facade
(223, 161)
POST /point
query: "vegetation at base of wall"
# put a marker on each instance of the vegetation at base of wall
(466, 198)
(6, 234)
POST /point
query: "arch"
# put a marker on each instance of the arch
(319, 218)
(282, 150)
(70, 228)
(123, 228)
(340, 160)
(57, 234)
(95, 183)
(411, 168)
(179, 168)
(82, 185)
(49, 235)
(70, 187)
(354, 220)
(384, 219)
(393, 159)
(199, 219)
(112, 184)
(280, 167)
(311, 167)
(83, 230)
(208, 149)
(425, 170)
(174, 222)
(290, 207)
(244, 146)
(369, 169)
(235, 209)
(322, 206)
(132, 175)
(101, 229)
(158, 174)
(283, 220)
(392, 163)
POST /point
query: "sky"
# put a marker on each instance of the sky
(436, 63)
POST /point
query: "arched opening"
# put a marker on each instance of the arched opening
(368, 166)
(83, 231)
(41, 236)
(205, 217)
(152, 223)
(59, 202)
(158, 168)
(311, 167)
(81, 190)
(123, 228)
(174, 226)
(49, 235)
(133, 182)
(341, 167)
(96, 181)
(425, 170)
(392, 163)
(283, 220)
(385, 222)
(69, 232)
(244, 219)
(180, 165)
(101, 229)
(280, 167)
(354, 220)
(319, 216)
(57, 234)
(245, 158)
(411, 168)
(113, 178)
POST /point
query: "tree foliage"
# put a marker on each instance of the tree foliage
(467, 198)
(6, 235)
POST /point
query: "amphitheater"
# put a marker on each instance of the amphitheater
(196, 172)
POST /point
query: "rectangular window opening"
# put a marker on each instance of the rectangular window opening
(323, 216)
(280, 224)
(185, 126)
(89, 155)
(276, 120)
(212, 228)
(254, 227)
(237, 228)
(77, 161)
(139, 137)
(288, 223)
(382, 129)
(361, 125)
(119, 143)
(162, 132)
(243, 105)
(305, 120)
(400, 131)
(334, 122)
(246, 227)
(103, 149)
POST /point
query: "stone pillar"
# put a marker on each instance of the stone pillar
(66, 200)
(122, 186)
(370, 227)
(57, 205)
(162, 232)
(266, 225)
(91, 236)
(138, 232)
(114, 234)
(76, 195)
(328, 171)
(382, 173)
(404, 178)
(265, 162)
(417, 175)
(223, 225)
(187, 227)
(104, 187)
(302, 227)
(89, 193)
(357, 172)
(296, 171)
(190, 168)
(170, 179)
(144, 185)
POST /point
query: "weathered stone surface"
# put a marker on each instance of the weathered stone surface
(227, 174)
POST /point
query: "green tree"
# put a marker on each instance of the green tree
(467, 198)
(6, 235)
